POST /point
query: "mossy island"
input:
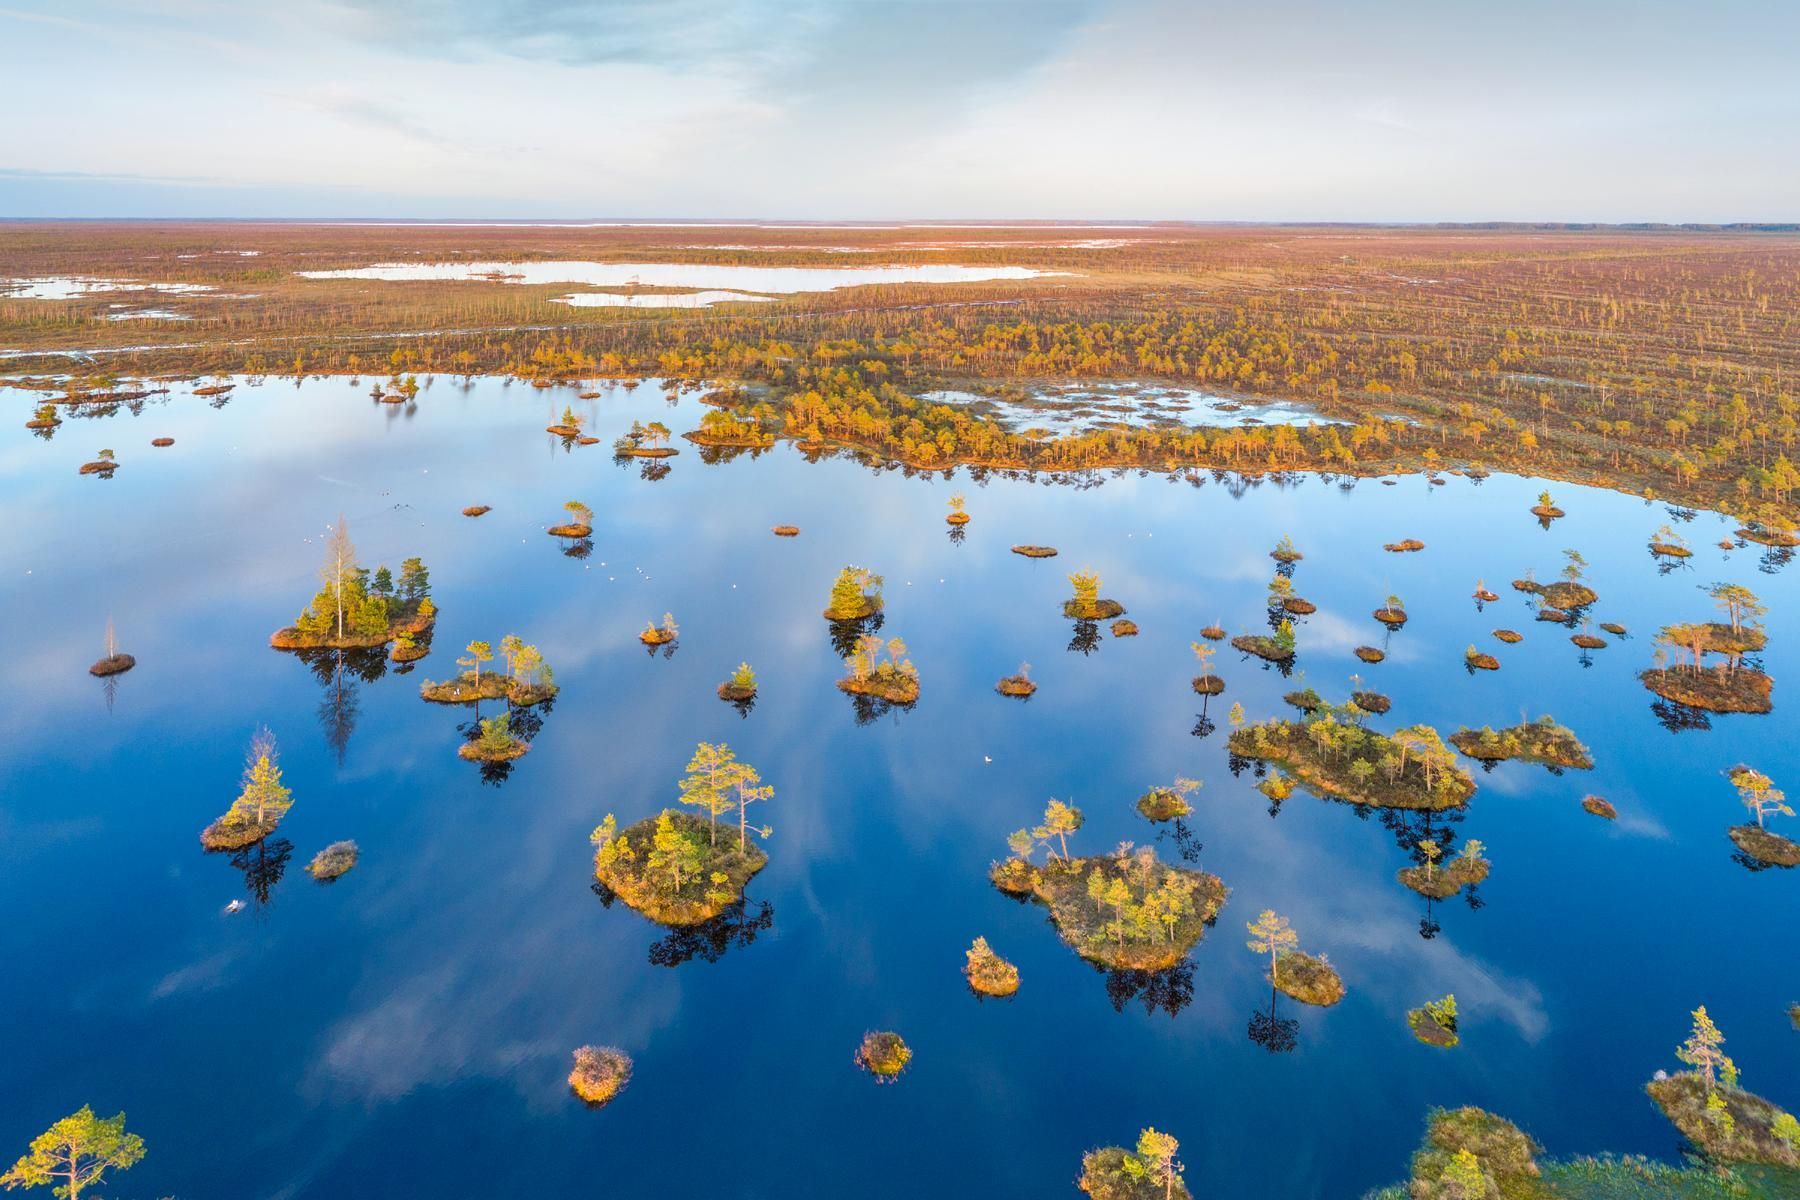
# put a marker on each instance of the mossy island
(1214, 632)
(568, 427)
(1276, 648)
(855, 595)
(1440, 883)
(600, 1074)
(1511, 637)
(1588, 641)
(646, 441)
(333, 861)
(1035, 551)
(1476, 660)
(1370, 654)
(407, 648)
(1728, 1124)
(1151, 1172)
(1285, 552)
(681, 869)
(114, 661)
(1205, 683)
(162, 442)
(722, 430)
(477, 510)
(1371, 702)
(494, 742)
(1775, 530)
(989, 974)
(1599, 806)
(524, 679)
(879, 668)
(1434, 1022)
(741, 686)
(1334, 755)
(579, 525)
(1545, 509)
(1121, 911)
(1758, 793)
(1409, 546)
(1168, 802)
(1542, 741)
(1392, 612)
(660, 635)
(958, 514)
(1019, 685)
(1306, 978)
(785, 530)
(1124, 627)
(356, 610)
(1568, 594)
(260, 805)
(105, 464)
(883, 1054)
(1666, 543)
(1682, 674)
(1482, 594)
(1087, 604)
(1613, 627)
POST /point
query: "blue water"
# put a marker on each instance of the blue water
(407, 1030)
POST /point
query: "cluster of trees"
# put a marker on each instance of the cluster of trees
(261, 803)
(717, 782)
(1334, 738)
(353, 602)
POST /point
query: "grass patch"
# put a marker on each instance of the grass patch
(333, 861)
(1308, 979)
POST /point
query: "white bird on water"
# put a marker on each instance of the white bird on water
(235, 906)
(986, 758)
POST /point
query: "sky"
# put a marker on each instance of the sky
(1258, 110)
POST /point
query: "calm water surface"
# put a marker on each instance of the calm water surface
(407, 1030)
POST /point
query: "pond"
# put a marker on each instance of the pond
(1086, 407)
(75, 287)
(408, 1028)
(726, 276)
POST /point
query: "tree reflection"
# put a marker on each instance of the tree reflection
(738, 925)
(1087, 637)
(579, 548)
(844, 634)
(1186, 844)
(263, 864)
(1676, 717)
(957, 535)
(1276, 1034)
(1169, 990)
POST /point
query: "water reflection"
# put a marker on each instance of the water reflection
(1274, 1033)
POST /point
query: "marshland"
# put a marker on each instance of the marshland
(445, 982)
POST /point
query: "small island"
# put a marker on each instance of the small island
(1465, 870)
(880, 669)
(1728, 686)
(1599, 806)
(1168, 802)
(1019, 685)
(1205, 683)
(104, 465)
(1285, 552)
(1308, 979)
(1392, 612)
(786, 531)
(1370, 654)
(357, 610)
(1476, 660)
(600, 1074)
(1087, 603)
(1542, 741)
(259, 807)
(1121, 911)
(1151, 1172)
(1035, 551)
(1511, 637)
(1727, 1123)
(1434, 1022)
(477, 510)
(333, 861)
(1758, 793)
(1276, 649)
(1570, 594)
(1124, 627)
(883, 1054)
(1409, 546)
(741, 686)
(855, 595)
(989, 974)
(579, 525)
(719, 429)
(1545, 509)
(113, 662)
(494, 742)
(682, 869)
(660, 635)
(958, 514)
(646, 441)
(1333, 755)
(525, 678)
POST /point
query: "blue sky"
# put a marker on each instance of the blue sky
(893, 109)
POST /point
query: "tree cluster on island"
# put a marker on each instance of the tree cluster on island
(356, 608)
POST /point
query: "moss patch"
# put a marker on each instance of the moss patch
(1409, 546)
(574, 529)
(113, 664)
(1373, 702)
(478, 510)
(883, 1054)
(1600, 807)
(1124, 628)
(333, 861)
(1370, 654)
(1208, 685)
(1035, 551)
(1099, 610)
(1263, 646)
(1307, 979)
(989, 974)
(600, 1074)
(785, 530)
(1015, 685)
(1511, 637)
(1766, 847)
(1428, 1029)
(895, 688)
(1390, 616)
(1163, 804)
(465, 689)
